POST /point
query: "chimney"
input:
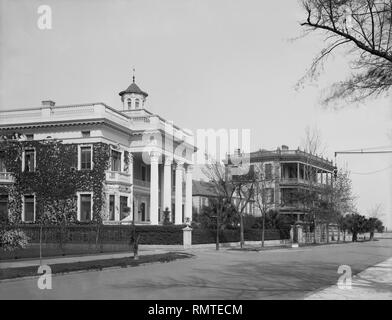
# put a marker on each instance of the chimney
(48, 104)
(284, 147)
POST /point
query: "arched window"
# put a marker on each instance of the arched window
(129, 103)
(137, 104)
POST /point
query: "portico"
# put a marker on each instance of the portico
(154, 190)
(162, 166)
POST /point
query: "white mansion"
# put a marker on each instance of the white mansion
(149, 167)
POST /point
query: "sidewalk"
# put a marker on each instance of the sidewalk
(374, 283)
(81, 258)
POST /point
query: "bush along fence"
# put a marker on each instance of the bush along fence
(97, 235)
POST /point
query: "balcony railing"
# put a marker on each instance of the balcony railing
(116, 176)
(6, 177)
(141, 183)
(303, 181)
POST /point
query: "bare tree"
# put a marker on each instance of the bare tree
(234, 192)
(312, 141)
(262, 195)
(217, 174)
(364, 29)
(376, 211)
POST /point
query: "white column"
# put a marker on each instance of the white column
(178, 203)
(188, 193)
(154, 197)
(167, 185)
(130, 172)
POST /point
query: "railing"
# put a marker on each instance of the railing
(141, 183)
(302, 181)
(116, 176)
(6, 177)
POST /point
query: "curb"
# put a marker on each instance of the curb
(89, 270)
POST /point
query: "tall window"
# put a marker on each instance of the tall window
(144, 173)
(111, 207)
(29, 160)
(137, 104)
(269, 195)
(123, 205)
(85, 207)
(28, 208)
(3, 207)
(129, 102)
(85, 157)
(116, 160)
(2, 165)
(268, 171)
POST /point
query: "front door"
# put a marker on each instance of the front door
(143, 211)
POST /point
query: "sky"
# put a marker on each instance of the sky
(205, 64)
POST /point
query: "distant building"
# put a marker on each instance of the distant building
(204, 193)
(140, 178)
(286, 172)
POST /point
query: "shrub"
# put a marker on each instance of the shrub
(11, 240)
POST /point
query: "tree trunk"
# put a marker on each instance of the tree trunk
(217, 229)
(263, 230)
(241, 231)
(314, 233)
(327, 226)
(338, 234)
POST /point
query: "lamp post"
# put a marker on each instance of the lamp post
(217, 231)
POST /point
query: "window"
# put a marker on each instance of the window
(124, 211)
(29, 160)
(129, 102)
(2, 165)
(111, 207)
(29, 137)
(268, 171)
(85, 207)
(28, 208)
(85, 157)
(144, 173)
(116, 160)
(3, 207)
(86, 134)
(137, 104)
(269, 195)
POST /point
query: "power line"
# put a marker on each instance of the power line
(368, 148)
(372, 172)
(363, 152)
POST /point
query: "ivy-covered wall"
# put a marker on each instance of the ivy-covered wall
(55, 181)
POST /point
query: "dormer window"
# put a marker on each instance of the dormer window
(129, 102)
(29, 137)
(137, 103)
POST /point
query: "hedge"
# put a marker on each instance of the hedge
(165, 235)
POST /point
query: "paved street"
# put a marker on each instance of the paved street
(228, 274)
